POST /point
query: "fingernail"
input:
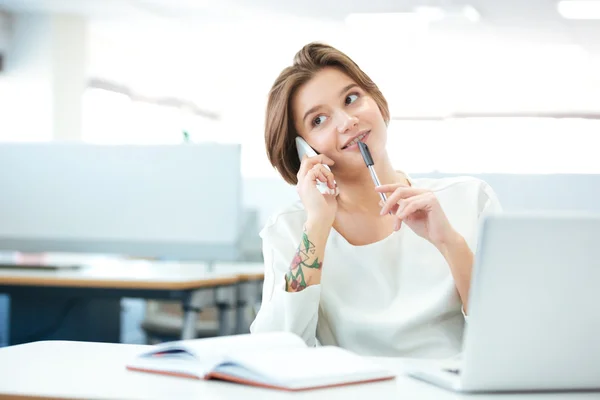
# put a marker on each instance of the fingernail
(381, 212)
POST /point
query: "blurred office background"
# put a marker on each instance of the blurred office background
(504, 90)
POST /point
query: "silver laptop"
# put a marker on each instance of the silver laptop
(534, 308)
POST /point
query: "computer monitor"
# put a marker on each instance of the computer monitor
(166, 201)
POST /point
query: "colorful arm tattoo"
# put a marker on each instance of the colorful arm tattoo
(305, 257)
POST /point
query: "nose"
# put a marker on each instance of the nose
(346, 122)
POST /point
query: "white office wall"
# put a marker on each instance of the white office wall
(69, 75)
(5, 31)
(27, 117)
(44, 78)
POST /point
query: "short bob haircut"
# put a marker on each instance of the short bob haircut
(280, 131)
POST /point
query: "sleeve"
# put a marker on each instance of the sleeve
(488, 201)
(488, 204)
(281, 310)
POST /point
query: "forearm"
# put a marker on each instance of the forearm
(460, 258)
(305, 268)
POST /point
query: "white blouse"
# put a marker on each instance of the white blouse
(395, 297)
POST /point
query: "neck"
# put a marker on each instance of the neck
(357, 193)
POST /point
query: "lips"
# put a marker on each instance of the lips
(360, 136)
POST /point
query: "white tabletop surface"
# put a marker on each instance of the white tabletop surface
(68, 370)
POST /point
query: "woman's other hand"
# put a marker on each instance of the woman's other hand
(420, 210)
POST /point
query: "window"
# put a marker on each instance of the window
(105, 117)
(496, 145)
(113, 118)
(476, 145)
(459, 145)
(23, 118)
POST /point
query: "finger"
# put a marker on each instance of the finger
(398, 186)
(401, 207)
(330, 179)
(398, 212)
(394, 199)
(316, 174)
(397, 221)
(413, 205)
(323, 159)
(305, 166)
(318, 159)
(309, 162)
(391, 201)
(397, 224)
(382, 203)
(389, 187)
(399, 194)
(324, 175)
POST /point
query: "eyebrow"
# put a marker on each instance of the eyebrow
(315, 108)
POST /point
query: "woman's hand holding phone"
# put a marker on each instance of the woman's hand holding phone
(320, 208)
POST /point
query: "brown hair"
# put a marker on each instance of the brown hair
(280, 131)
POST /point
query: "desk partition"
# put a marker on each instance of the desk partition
(172, 201)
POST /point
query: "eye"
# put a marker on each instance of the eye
(318, 120)
(351, 98)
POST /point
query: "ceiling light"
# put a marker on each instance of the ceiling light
(405, 21)
(430, 13)
(419, 19)
(579, 9)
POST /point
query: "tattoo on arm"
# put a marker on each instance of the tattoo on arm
(305, 257)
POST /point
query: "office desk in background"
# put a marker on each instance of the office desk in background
(76, 370)
(84, 303)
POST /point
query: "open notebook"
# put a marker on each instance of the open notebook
(275, 360)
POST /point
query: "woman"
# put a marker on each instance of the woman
(380, 279)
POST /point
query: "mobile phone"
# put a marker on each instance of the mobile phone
(303, 148)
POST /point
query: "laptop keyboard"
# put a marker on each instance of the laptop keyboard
(455, 371)
(452, 364)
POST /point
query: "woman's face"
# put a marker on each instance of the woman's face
(331, 112)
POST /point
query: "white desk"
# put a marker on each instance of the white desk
(107, 280)
(68, 370)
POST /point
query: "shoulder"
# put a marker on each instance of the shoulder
(285, 221)
(461, 188)
(448, 183)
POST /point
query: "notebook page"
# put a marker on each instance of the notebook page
(307, 367)
(211, 351)
(173, 366)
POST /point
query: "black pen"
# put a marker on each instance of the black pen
(366, 154)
